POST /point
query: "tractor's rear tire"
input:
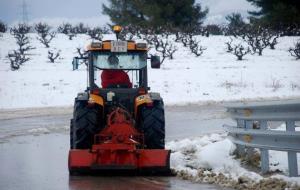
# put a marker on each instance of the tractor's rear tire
(153, 125)
(71, 134)
(87, 121)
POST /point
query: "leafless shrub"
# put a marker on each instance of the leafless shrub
(45, 36)
(295, 52)
(68, 30)
(81, 28)
(196, 48)
(257, 37)
(165, 47)
(95, 33)
(53, 56)
(273, 41)
(229, 47)
(129, 32)
(186, 39)
(198, 30)
(275, 84)
(82, 54)
(178, 36)
(20, 32)
(17, 59)
(295, 86)
(215, 29)
(239, 51)
(3, 27)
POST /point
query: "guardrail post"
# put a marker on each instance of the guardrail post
(264, 153)
(292, 156)
(250, 150)
(240, 148)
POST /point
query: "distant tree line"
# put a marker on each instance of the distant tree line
(283, 15)
(156, 13)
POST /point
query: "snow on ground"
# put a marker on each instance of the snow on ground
(214, 76)
(210, 159)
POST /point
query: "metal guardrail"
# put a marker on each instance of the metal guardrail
(252, 130)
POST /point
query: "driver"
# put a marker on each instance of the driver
(114, 77)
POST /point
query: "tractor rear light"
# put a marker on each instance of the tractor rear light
(142, 91)
(95, 91)
(96, 45)
(149, 104)
(141, 46)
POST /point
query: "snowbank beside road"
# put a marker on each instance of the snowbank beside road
(210, 159)
(214, 76)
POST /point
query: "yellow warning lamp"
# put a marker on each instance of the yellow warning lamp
(117, 29)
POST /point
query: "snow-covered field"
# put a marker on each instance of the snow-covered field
(214, 76)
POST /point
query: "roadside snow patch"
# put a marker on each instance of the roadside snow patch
(210, 159)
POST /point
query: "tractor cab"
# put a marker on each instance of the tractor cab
(115, 56)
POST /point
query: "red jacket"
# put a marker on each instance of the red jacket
(114, 77)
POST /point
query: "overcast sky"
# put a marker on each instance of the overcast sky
(89, 11)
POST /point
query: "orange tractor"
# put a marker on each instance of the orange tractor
(118, 128)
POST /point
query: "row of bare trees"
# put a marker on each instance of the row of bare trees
(21, 34)
(45, 35)
(20, 56)
(251, 40)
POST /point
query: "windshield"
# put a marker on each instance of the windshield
(109, 60)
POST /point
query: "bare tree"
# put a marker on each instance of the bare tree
(81, 28)
(20, 32)
(273, 41)
(229, 47)
(68, 30)
(17, 59)
(257, 37)
(82, 54)
(3, 27)
(45, 35)
(129, 32)
(53, 56)
(196, 48)
(95, 33)
(295, 52)
(240, 51)
(186, 39)
(165, 47)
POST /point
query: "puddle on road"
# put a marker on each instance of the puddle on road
(40, 162)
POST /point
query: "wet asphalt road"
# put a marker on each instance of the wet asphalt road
(34, 146)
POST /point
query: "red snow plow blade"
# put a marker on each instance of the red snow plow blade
(119, 158)
(119, 148)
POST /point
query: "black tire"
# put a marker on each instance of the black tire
(153, 125)
(71, 134)
(87, 121)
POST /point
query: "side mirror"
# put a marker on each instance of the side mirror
(155, 62)
(75, 63)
